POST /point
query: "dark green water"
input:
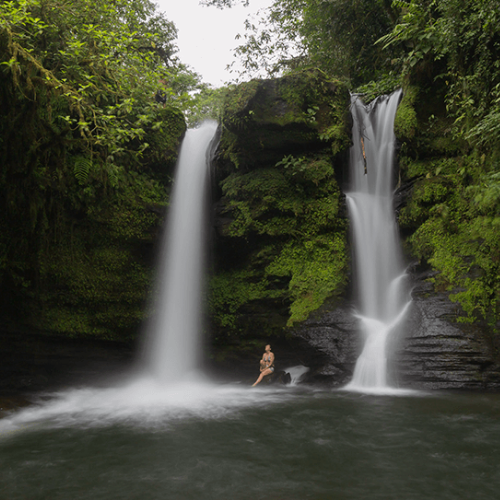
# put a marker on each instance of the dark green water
(217, 442)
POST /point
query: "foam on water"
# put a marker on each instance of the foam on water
(144, 402)
(296, 373)
(170, 385)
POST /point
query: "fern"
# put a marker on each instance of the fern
(82, 166)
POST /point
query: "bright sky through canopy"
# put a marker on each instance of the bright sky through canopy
(206, 35)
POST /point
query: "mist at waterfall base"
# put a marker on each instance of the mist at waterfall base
(381, 284)
(159, 436)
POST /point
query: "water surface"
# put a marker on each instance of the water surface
(203, 441)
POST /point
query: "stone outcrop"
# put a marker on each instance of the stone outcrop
(334, 335)
(263, 120)
(279, 236)
(439, 352)
(435, 350)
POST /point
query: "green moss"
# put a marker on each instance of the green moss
(406, 123)
(92, 284)
(300, 275)
(94, 273)
(299, 196)
(230, 291)
(280, 202)
(464, 258)
(457, 234)
(237, 99)
(316, 269)
(296, 254)
(385, 85)
(264, 119)
(431, 167)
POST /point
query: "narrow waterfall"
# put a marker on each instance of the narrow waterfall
(173, 343)
(380, 282)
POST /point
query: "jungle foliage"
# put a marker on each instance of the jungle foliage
(83, 151)
(337, 36)
(449, 121)
(291, 214)
(86, 153)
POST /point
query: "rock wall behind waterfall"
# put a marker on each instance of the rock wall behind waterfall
(436, 351)
(280, 233)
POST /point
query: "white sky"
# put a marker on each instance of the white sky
(206, 35)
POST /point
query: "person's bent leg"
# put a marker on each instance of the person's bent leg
(267, 371)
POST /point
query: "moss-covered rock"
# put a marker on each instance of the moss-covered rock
(423, 125)
(94, 281)
(77, 236)
(447, 223)
(281, 245)
(405, 122)
(265, 119)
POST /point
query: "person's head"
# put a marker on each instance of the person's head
(268, 347)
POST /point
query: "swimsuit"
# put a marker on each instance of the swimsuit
(268, 361)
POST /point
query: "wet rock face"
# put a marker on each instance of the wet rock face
(335, 337)
(436, 352)
(440, 353)
(266, 119)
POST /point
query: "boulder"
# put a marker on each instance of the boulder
(335, 337)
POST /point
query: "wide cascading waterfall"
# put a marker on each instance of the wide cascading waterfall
(173, 341)
(380, 281)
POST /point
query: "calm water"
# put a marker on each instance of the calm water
(205, 441)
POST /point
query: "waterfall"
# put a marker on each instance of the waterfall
(173, 340)
(380, 278)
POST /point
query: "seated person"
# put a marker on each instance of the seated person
(266, 364)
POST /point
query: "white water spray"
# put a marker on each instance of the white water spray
(174, 340)
(296, 374)
(380, 276)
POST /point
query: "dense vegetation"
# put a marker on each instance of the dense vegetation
(282, 251)
(86, 154)
(450, 123)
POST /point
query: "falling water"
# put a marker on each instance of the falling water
(380, 276)
(173, 345)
